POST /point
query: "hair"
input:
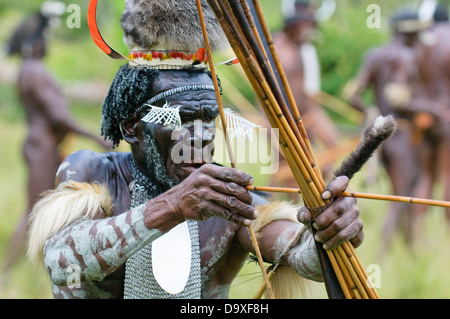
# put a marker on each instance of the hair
(130, 89)
(401, 15)
(28, 36)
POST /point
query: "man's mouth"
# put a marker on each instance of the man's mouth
(190, 160)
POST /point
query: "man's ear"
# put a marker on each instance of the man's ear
(131, 129)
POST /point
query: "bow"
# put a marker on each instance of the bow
(249, 36)
(247, 32)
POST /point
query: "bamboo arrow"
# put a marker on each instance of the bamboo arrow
(391, 198)
(347, 273)
(230, 153)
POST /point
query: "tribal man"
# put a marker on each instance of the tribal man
(399, 74)
(299, 59)
(433, 61)
(145, 225)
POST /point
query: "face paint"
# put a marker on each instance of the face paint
(165, 115)
(172, 154)
(154, 161)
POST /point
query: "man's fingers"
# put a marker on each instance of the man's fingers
(232, 189)
(222, 212)
(357, 241)
(233, 204)
(328, 216)
(348, 233)
(335, 187)
(338, 224)
(304, 216)
(220, 191)
(227, 174)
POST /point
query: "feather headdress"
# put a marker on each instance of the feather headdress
(162, 24)
(162, 34)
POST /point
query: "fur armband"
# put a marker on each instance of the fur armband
(274, 211)
(285, 282)
(60, 207)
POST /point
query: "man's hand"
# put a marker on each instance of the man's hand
(340, 221)
(218, 191)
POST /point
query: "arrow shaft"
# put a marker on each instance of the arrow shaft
(392, 198)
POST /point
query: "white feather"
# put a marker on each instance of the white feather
(238, 127)
(165, 115)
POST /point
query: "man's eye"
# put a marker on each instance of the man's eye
(209, 118)
(187, 119)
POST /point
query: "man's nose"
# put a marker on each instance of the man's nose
(201, 134)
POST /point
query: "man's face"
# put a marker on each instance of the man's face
(181, 150)
(301, 31)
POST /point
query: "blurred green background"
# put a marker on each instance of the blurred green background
(84, 72)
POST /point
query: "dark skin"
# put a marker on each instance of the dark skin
(393, 65)
(214, 195)
(49, 122)
(433, 61)
(410, 154)
(288, 43)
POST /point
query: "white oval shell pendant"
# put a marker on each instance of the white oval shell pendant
(171, 259)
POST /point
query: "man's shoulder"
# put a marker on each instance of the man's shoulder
(87, 165)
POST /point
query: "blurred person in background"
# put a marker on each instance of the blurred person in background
(434, 66)
(299, 59)
(47, 114)
(398, 75)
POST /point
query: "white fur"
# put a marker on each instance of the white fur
(62, 206)
(383, 126)
(286, 283)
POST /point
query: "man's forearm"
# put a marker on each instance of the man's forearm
(97, 247)
(303, 258)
